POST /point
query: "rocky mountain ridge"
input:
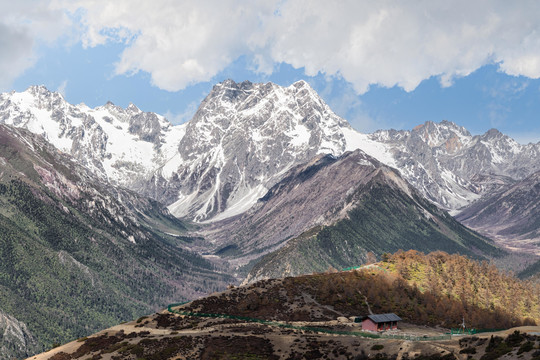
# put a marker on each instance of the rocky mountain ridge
(333, 212)
(268, 170)
(453, 168)
(314, 197)
(513, 212)
(245, 136)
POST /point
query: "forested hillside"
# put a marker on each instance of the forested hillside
(384, 214)
(434, 289)
(470, 284)
(74, 257)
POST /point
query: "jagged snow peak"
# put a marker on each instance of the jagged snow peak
(445, 162)
(121, 145)
(243, 139)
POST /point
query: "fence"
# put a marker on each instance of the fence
(367, 267)
(307, 328)
(472, 331)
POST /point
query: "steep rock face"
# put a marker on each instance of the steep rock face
(513, 213)
(240, 142)
(452, 168)
(119, 145)
(331, 212)
(15, 338)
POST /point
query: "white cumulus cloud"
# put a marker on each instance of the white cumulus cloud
(181, 42)
(24, 25)
(178, 42)
(402, 43)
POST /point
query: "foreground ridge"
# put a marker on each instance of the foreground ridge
(312, 316)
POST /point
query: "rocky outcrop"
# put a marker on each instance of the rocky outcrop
(15, 339)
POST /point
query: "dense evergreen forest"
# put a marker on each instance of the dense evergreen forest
(78, 255)
(67, 274)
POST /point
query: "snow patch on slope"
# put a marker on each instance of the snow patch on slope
(241, 205)
(356, 140)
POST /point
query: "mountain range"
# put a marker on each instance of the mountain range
(245, 136)
(264, 181)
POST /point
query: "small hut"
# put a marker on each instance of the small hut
(379, 322)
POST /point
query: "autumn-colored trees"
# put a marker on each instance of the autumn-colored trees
(433, 289)
(453, 286)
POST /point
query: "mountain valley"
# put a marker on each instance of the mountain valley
(512, 213)
(110, 213)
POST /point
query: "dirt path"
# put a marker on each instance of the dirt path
(406, 345)
(535, 330)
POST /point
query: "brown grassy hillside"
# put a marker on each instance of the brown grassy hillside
(433, 289)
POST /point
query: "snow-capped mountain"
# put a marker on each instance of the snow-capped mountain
(241, 141)
(245, 137)
(120, 145)
(451, 167)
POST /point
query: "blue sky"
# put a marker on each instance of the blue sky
(378, 65)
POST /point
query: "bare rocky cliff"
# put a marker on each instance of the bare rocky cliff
(15, 338)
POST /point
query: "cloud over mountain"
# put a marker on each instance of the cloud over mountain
(386, 43)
